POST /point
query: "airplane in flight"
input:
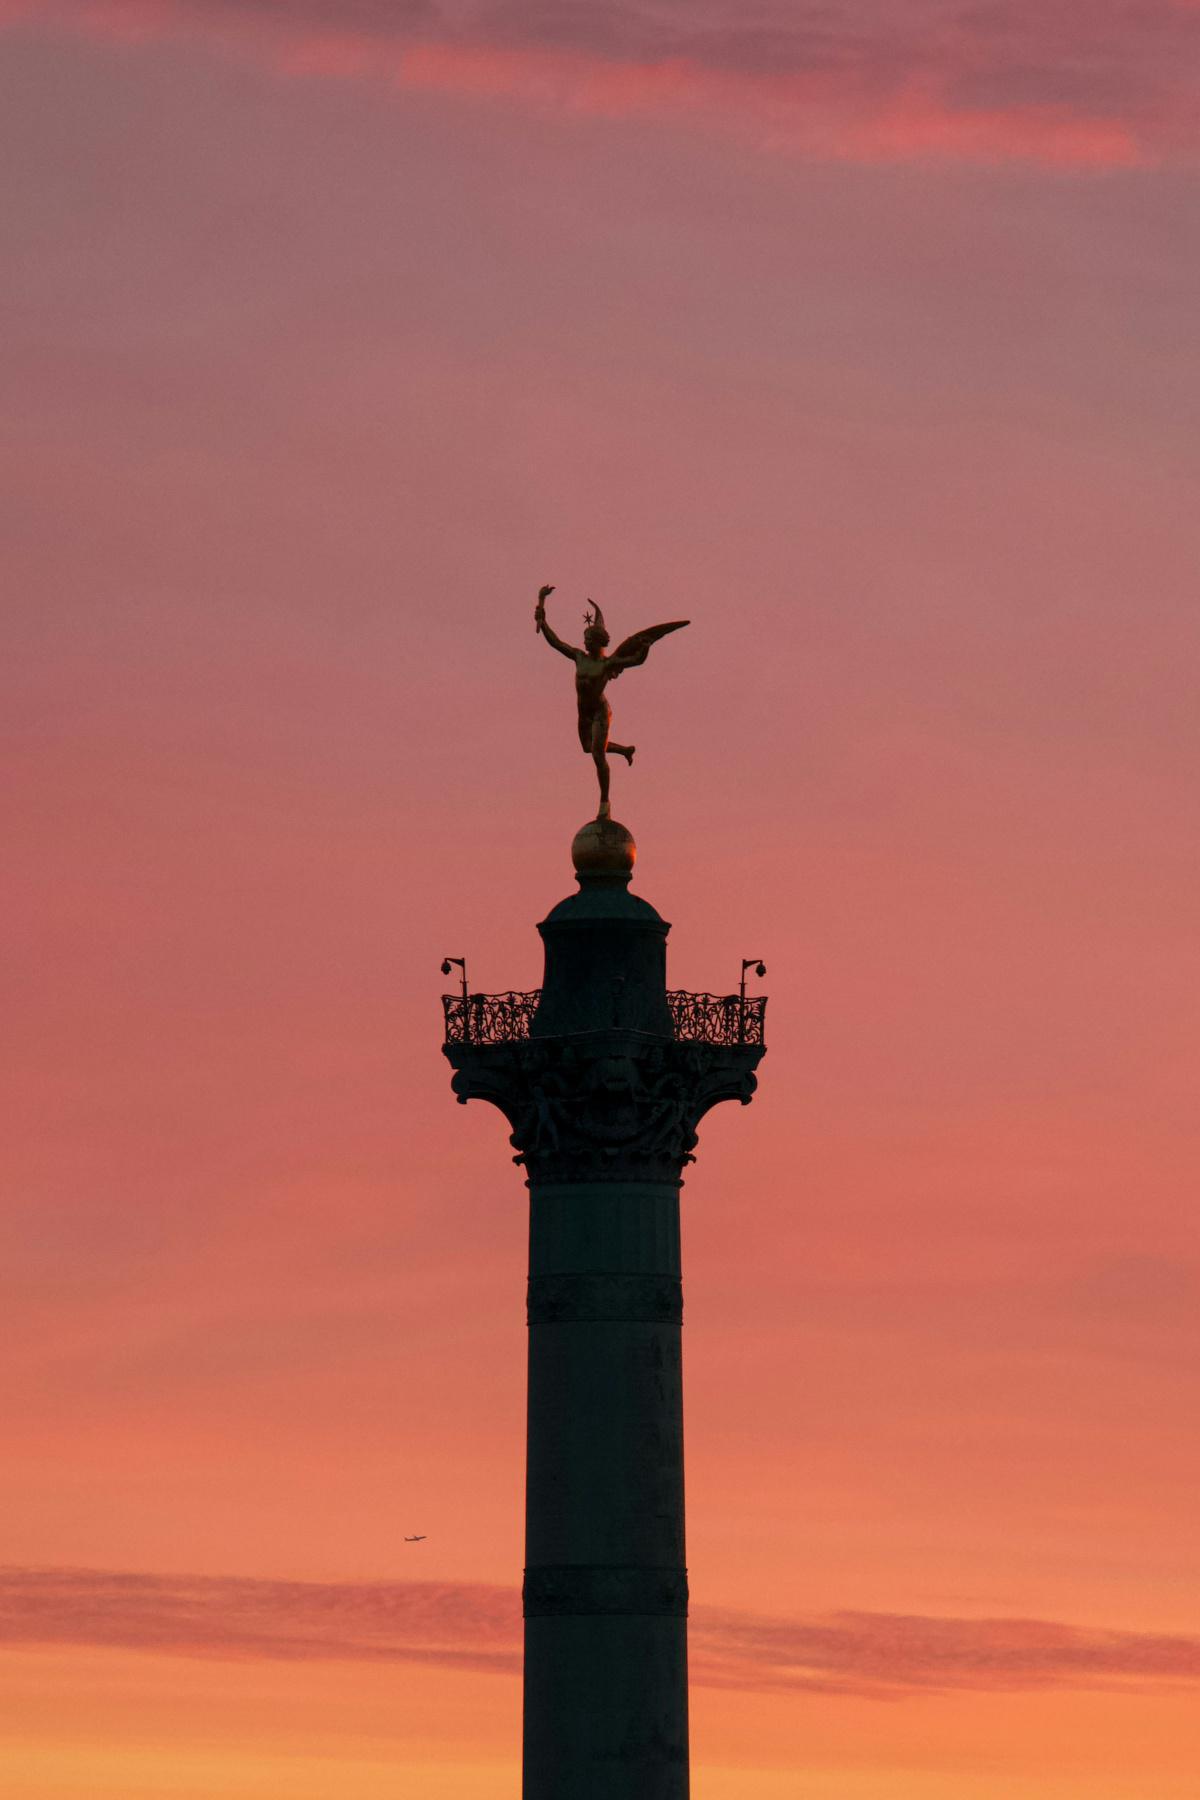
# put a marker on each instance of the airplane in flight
(419, 1539)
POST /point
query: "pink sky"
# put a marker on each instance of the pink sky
(866, 339)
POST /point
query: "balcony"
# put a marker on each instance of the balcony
(697, 1018)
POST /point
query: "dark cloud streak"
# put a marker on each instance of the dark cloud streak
(474, 1626)
(889, 1655)
(1041, 51)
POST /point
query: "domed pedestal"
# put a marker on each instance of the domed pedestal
(604, 847)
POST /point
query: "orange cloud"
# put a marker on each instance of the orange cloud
(889, 1655)
(816, 115)
(454, 1625)
(937, 82)
(461, 1625)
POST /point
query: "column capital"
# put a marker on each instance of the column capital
(604, 1105)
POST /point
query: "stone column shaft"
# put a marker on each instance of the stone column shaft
(605, 1583)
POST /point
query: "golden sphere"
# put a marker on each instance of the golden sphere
(603, 847)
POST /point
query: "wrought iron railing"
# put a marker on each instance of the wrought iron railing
(697, 1018)
(717, 1018)
(489, 1018)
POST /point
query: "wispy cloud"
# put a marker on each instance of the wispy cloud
(453, 1624)
(1054, 82)
(890, 1655)
(477, 1626)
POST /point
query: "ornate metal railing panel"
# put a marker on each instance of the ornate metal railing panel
(698, 1018)
(717, 1018)
(489, 1018)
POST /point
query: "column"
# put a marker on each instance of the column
(605, 1582)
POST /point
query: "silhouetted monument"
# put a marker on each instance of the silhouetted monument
(603, 1075)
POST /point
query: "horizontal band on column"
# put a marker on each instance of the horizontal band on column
(603, 1299)
(594, 1590)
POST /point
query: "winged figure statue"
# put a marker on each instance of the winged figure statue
(593, 672)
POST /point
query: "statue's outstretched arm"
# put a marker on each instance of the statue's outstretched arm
(551, 636)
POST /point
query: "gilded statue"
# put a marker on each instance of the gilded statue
(593, 672)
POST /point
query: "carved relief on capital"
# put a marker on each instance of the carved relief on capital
(616, 1106)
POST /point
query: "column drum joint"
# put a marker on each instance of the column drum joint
(578, 1590)
(605, 1299)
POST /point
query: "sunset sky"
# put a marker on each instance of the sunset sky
(864, 336)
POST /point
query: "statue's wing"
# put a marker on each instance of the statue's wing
(634, 650)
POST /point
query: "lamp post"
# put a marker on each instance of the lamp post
(460, 962)
(748, 962)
